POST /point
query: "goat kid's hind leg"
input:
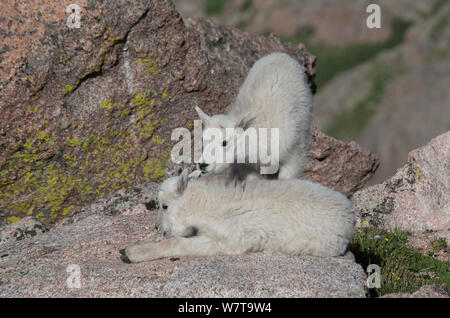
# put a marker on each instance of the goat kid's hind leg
(173, 247)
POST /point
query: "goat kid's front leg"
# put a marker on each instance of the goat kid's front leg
(173, 247)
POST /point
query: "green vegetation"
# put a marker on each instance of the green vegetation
(402, 268)
(350, 123)
(332, 60)
(438, 244)
(440, 25)
(246, 5)
(214, 7)
(438, 4)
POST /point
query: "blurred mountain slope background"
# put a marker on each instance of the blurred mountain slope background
(386, 88)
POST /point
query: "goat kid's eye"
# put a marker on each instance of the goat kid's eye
(224, 143)
(164, 207)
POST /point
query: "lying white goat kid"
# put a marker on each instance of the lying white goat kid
(213, 216)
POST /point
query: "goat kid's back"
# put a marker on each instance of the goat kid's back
(290, 216)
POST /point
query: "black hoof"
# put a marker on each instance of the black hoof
(123, 257)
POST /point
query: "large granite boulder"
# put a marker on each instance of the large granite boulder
(416, 199)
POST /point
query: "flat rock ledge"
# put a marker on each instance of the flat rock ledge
(88, 244)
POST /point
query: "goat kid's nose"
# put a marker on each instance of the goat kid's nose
(202, 166)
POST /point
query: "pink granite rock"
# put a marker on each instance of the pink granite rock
(26, 227)
(416, 198)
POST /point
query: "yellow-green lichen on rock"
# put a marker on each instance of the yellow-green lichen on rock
(37, 180)
(151, 64)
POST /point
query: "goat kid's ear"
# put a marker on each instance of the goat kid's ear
(245, 121)
(182, 181)
(201, 114)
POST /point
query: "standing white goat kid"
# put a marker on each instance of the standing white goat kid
(213, 216)
(275, 94)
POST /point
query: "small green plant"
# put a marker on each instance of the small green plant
(438, 244)
(402, 268)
